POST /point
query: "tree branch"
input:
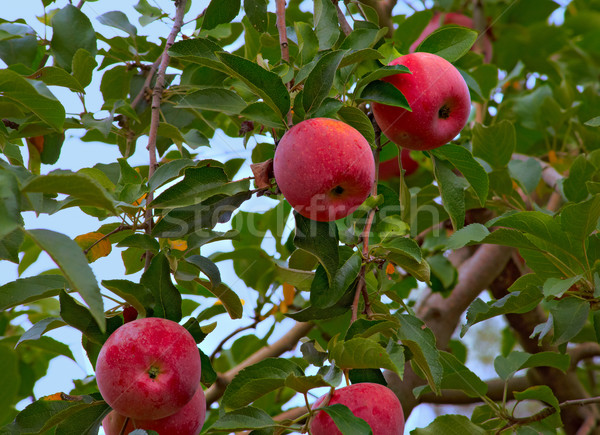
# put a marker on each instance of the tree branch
(155, 118)
(583, 351)
(550, 175)
(342, 18)
(284, 344)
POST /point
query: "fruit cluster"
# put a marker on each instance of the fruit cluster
(325, 168)
(148, 371)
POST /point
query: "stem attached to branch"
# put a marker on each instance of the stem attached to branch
(155, 119)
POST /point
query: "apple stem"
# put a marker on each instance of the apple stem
(122, 431)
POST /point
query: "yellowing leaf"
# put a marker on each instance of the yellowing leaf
(54, 397)
(288, 294)
(218, 302)
(390, 269)
(96, 245)
(552, 157)
(179, 245)
(283, 308)
(140, 199)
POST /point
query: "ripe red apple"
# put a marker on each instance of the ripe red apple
(324, 168)
(439, 20)
(374, 403)
(439, 99)
(129, 314)
(187, 421)
(391, 169)
(148, 368)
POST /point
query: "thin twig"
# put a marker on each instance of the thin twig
(283, 42)
(122, 431)
(233, 334)
(342, 19)
(146, 85)
(155, 119)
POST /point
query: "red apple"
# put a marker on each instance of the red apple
(187, 421)
(129, 314)
(148, 368)
(374, 403)
(324, 168)
(391, 169)
(439, 20)
(439, 99)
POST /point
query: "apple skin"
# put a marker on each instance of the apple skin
(148, 368)
(187, 421)
(324, 168)
(391, 169)
(454, 18)
(439, 99)
(374, 403)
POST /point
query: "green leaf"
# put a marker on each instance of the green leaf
(569, 315)
(220, 12)
(83, 66)
(346, 421)
(324, 295)
(361, 353)
(134, 294)
(518, 301)
(581, 171)
(207, 267)
(10, 204)
(466, 235)
(186, 220)
(421, 342)
(118, 20)
(198, 50)
(308, 44)
(303, 384)
(581, 219)
(326, 24)
(463, 160)
(257, 380)
(557, 287)
(54, 76)
(166, 296)
(80, 186)
(72, 262)
(248, 418)
(594, 122)
(167, 172)
(384, 71)
(449, 42)
(42, 415)
(215, 99)
(410, 29)
(321, 240)
(77, 316)
(452, 189)
(266, 84)
(264, 114)
(30, 289)
(228, 298)
(506, 367)
(142, 241)
(10, 378)
(404, 246)
(199, 184)
(450, 424)
(527, 173)
(17, 89)
(357, 119)
(319, 81)
(385, 93)
(40, 328)
(71, 30)
(494, 144)
(256, 11)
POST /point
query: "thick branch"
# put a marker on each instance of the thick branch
(284, 344)
(283, 41)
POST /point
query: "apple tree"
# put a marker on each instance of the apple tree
(500, 222)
